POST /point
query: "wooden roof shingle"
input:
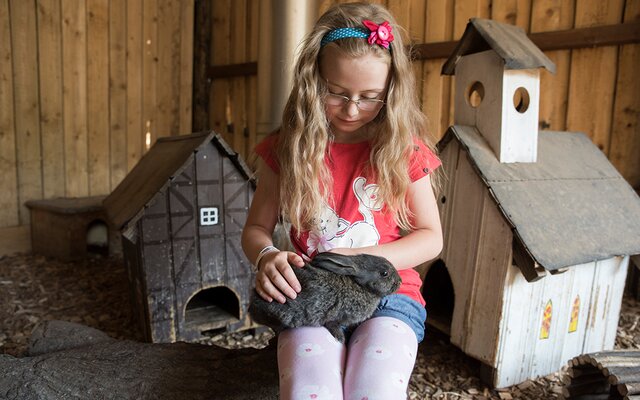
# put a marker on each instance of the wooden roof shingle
(509, 41)
(570, 207)
(166, 158)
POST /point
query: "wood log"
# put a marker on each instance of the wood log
(588, 387)
(623, 374)
(619, 362)
(65, 359)
(587, 359)
(588, 379)
(580, 372)
(619, 370)
(601, 356)
(629, 388)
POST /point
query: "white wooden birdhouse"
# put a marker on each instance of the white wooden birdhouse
(539, 226)
(498, 87)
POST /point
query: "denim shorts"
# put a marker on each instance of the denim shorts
(406, 310)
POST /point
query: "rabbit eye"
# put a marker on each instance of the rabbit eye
(384, 273)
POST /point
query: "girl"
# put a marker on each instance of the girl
(348, 169)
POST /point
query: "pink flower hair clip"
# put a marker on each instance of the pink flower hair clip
(380, 34)
(374, 33)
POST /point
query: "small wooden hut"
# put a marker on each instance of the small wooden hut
(181, 211)
(539, 225)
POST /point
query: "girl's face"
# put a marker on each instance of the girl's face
(358, 79)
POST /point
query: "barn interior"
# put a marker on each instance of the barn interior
(89, 87)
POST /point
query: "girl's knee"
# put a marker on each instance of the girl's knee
(310, 364)
(382, 353)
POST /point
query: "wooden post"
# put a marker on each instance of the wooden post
(436, 90)
(201, 57)
(290, 20)
(97, 99)
(554, 88)
(25, 104)
(51, 106)
(588, 88)
(135, 128)
(9, 214)
(625, 141)
(117, 92)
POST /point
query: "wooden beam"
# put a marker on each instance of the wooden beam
(432, 51)
(607, 35)
(531, 270)
(232, 70)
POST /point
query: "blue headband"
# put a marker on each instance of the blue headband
(342, 33)
(375, 34)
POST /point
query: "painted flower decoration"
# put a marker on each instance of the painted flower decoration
(380, 34)
(318, 242)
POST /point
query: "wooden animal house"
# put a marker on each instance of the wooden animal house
(71, 228)
(181, 211)
(539, 226)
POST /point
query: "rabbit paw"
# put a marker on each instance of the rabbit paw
(336, 330)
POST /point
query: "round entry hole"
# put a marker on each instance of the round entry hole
(521, 100)
(475, 94)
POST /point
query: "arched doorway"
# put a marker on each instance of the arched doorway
(438, 293)
(97, 238)
(211, 310)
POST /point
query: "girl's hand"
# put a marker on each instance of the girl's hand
(275, 277)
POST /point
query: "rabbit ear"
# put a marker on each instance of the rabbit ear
(336, 263)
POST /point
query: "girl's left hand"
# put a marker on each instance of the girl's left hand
(275, 279)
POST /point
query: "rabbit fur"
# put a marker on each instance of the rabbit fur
(337, 291)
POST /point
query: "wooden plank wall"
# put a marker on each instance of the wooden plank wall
(85, 87)
(233, 101)
(594, 89)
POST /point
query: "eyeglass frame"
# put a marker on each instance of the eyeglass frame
(346, 100)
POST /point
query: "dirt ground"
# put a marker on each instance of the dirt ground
(94, 292)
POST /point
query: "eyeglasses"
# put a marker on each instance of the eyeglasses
(338, 100)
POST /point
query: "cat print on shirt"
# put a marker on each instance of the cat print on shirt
(335, 231)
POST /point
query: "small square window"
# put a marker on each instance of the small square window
(209, 216)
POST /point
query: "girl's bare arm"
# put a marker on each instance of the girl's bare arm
(275, 278)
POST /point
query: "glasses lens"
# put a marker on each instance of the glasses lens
(335, 99)
(363, 104)
(369, 105)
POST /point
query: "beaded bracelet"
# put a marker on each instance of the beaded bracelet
(264, 252)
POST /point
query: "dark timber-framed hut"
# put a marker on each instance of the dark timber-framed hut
(181, 211)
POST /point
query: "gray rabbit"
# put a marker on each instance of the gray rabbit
(337, 291)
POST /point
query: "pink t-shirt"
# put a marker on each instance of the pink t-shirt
(356, 218)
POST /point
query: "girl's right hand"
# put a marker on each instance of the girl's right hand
(275, 277)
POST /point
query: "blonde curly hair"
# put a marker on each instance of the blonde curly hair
(304, 135)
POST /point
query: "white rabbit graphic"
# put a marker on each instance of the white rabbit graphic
(338, 232)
